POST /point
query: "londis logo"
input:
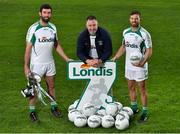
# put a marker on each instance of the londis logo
(44, 39)
(102, 71)
(131, 45)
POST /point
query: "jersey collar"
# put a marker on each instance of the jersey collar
(139, 27)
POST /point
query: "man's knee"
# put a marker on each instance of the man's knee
(131, 87)
(142, 87)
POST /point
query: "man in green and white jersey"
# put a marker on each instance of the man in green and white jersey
(41, 39)
(136, 38)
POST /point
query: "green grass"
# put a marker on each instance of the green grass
(159, 17)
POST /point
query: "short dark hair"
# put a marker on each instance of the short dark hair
(45, 6)
(91, 17)
(135, 12)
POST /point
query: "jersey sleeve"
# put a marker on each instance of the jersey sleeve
(123, 39)
(147, 40)
(30, 35)
(56, 36)
(55, 33)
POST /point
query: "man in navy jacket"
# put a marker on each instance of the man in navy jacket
(94, 44)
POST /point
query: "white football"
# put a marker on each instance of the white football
(128, 110)
(71, 107)
(124, 113)
(111, 109)
(76, 102)
(80, 120)
(135, 57)
(122, 123)
(101, 112)
(107, 121)
(119, 116)
(119, 105)
(89, 109)
(94, 121)
(72, 114)
(100, 116)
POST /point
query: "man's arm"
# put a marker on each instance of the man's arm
(80, 49)
(107, 47)
(147, 56)
(27, 58)
(148, 53)
(119, 53)
(61, 52)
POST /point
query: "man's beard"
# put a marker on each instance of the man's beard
(46, 20)
(135, 25)
(92, 33)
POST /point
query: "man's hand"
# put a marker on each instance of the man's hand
(145, 58)
(140, 64)
(97, 63)
(69, 60)
(113, 59)
(94, 62)
(90, 62)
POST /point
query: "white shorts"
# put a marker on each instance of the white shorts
(136, 75)
(43, 69)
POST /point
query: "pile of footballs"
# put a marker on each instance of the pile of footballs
(114, 114)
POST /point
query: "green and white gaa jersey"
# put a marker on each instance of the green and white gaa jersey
(136, 41)
(43, 39)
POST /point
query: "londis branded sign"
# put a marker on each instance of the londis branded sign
(102, 71)
(79, 70)
(99, 82)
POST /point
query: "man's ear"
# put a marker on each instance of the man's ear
(39, 13)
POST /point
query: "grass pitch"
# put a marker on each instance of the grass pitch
(160, 18)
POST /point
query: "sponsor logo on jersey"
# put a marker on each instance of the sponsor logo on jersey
(127, 44)
(44, 39)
